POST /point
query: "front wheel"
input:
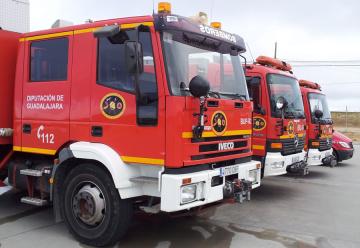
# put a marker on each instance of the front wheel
(336, 158)
(92, 208)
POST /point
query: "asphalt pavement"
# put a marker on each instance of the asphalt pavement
(320, 210)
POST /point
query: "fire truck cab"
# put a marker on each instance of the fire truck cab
(278, 118)
(319, 125)
(107, 116)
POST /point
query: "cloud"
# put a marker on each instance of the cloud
(304, 30)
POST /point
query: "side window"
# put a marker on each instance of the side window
(112, 72)
(111, 68)
(49, 60)
(253, 84)
(147, 104)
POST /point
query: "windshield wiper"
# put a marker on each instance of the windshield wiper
(236, 95)
(215, 93)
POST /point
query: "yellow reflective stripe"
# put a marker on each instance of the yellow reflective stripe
(47, 36)
(134, 25)
(258, 147)
(291, 136)
(189, 135)
(83, 31)
(34, 150)
(17, 148)
(154, 161)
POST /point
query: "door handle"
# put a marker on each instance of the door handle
(96, 131)
(26, 128)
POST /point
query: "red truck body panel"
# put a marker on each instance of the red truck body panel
(75, 107)
(8, 50)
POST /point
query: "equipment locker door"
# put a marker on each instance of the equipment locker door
(46, 93)
(133, 127)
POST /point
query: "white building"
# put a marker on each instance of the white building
(15, 15)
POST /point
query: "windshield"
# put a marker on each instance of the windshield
(287, 87)
(223, 71)
(318, 102)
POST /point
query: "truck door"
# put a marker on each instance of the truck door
(134, 127)
(259, 118)
(46, 93)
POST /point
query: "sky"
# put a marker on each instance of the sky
(321, 38)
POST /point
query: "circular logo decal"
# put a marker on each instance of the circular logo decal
(290, 127)
(219, 122)
(259, 123)
(112, 106)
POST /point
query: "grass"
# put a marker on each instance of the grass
(351, 127)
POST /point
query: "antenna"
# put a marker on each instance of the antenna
(153, 5)
(275, 53)
(252, 57)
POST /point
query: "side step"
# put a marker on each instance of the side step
(144, 180)
(34, 201)
(31, 172)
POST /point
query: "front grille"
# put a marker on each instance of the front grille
(215, 147)
(289, 146)
(220, 154)
(325, 144)
(351, 145)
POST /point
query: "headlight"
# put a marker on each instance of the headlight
(344, 144)
(277, 165)
(188, 193)
(253, 175)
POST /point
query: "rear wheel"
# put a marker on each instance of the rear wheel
(92, 208)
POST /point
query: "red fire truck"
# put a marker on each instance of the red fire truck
(106, 116)
(278, 119)
(319, 125)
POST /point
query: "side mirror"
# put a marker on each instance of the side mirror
(134, 57)
(199, 86)
(318, 114)
(107, 31)
(281, 103)
(261, 110)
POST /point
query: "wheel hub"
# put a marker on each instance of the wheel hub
(89, 205)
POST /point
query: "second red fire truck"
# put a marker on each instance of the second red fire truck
(114, 114)
(278, 119)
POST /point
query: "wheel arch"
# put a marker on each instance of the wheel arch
(81, 152)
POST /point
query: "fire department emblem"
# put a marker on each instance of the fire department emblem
(219, 122)
(290, 127)
(112, 106)
(259, 123)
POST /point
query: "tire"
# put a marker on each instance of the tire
(336, 157)
(92, 208)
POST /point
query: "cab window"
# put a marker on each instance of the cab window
(49, 60)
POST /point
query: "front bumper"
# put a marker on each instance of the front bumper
(316, 157)
(171, 186)
(277, 164)
(345, 154)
